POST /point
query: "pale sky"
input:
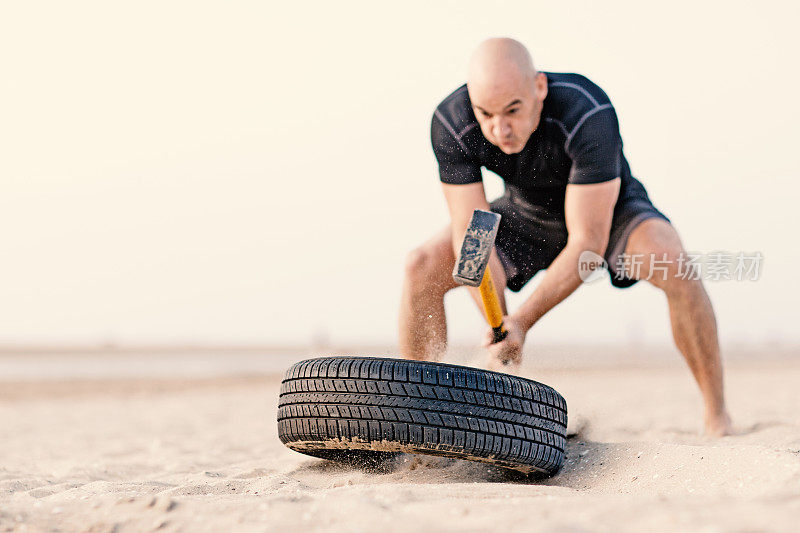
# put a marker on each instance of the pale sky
(251, 172)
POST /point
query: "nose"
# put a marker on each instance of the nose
(501, 128)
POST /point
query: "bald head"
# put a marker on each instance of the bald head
(500, 59)
(506, 93)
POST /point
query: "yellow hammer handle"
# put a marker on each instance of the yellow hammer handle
(494, 313)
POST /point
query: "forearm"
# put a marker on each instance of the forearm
(560, 280)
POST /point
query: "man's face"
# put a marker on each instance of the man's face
(508, 109)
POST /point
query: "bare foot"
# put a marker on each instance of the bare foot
(718, 425)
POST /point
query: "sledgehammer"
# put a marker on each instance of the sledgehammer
(472, 266)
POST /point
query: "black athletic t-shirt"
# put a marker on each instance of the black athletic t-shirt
(577, 141)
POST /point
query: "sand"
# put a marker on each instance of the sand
(202, 454)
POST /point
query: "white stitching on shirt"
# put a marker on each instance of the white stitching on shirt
(581, 121)
(559, 124)
(447, 125)
(577, 87)
(466, 130)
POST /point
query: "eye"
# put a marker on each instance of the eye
(512, 111)
(485, 114)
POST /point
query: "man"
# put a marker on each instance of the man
(554, 139)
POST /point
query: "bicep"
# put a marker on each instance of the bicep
(589, 210)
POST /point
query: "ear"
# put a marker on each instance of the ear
(540, 83)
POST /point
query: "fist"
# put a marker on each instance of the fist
(506, 355)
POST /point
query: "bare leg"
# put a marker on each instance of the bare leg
(694, 326)
(428, 276)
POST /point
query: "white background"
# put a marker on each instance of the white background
(254, 172)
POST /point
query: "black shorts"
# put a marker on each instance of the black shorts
(529, 238)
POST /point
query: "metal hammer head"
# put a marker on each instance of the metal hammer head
(477, 247)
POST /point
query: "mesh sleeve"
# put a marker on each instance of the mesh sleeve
(456, 164)
(596, 149)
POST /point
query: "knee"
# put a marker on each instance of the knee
(672, 271)
(425, 268)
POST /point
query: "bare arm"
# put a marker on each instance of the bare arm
(588, 209)
(462, 200)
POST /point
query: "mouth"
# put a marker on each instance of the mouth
(507, 144)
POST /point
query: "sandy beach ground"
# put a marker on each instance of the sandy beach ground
(84, 449)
